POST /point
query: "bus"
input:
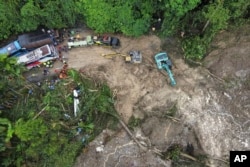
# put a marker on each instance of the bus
(11, 48)
(37, 55)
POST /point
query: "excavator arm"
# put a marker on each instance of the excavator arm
(170, 74)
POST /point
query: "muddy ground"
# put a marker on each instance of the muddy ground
(209, 107)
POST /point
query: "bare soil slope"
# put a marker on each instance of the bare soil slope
(212, 112)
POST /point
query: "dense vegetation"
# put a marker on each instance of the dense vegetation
(197, 20)
(37, 124)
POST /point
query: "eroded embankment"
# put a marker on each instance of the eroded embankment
(204, 115)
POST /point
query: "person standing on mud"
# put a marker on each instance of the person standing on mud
(45, 71)
(65, 48)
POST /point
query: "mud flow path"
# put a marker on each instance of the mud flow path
(211, 111)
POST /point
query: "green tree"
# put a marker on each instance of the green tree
(129, 17)
(6, 132)
(212, 18)
(238, 10)
(10, 79)
(194, 48)
(174, 12)
(31, 130)
(20, 16)
(98, 15)
(217, 16)
(9, 17)
(29, 16)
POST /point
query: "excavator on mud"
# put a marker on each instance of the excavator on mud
(163, 62)
(133, 56)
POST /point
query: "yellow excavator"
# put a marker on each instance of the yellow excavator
(131, 57)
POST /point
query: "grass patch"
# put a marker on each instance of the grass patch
(134, 122)
(172, 111)
(172, 153)
(246, 84)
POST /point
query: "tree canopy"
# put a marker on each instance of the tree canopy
(20, 16)
(37, 125)
(198, 19)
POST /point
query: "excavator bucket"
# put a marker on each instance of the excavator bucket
(128, 59)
